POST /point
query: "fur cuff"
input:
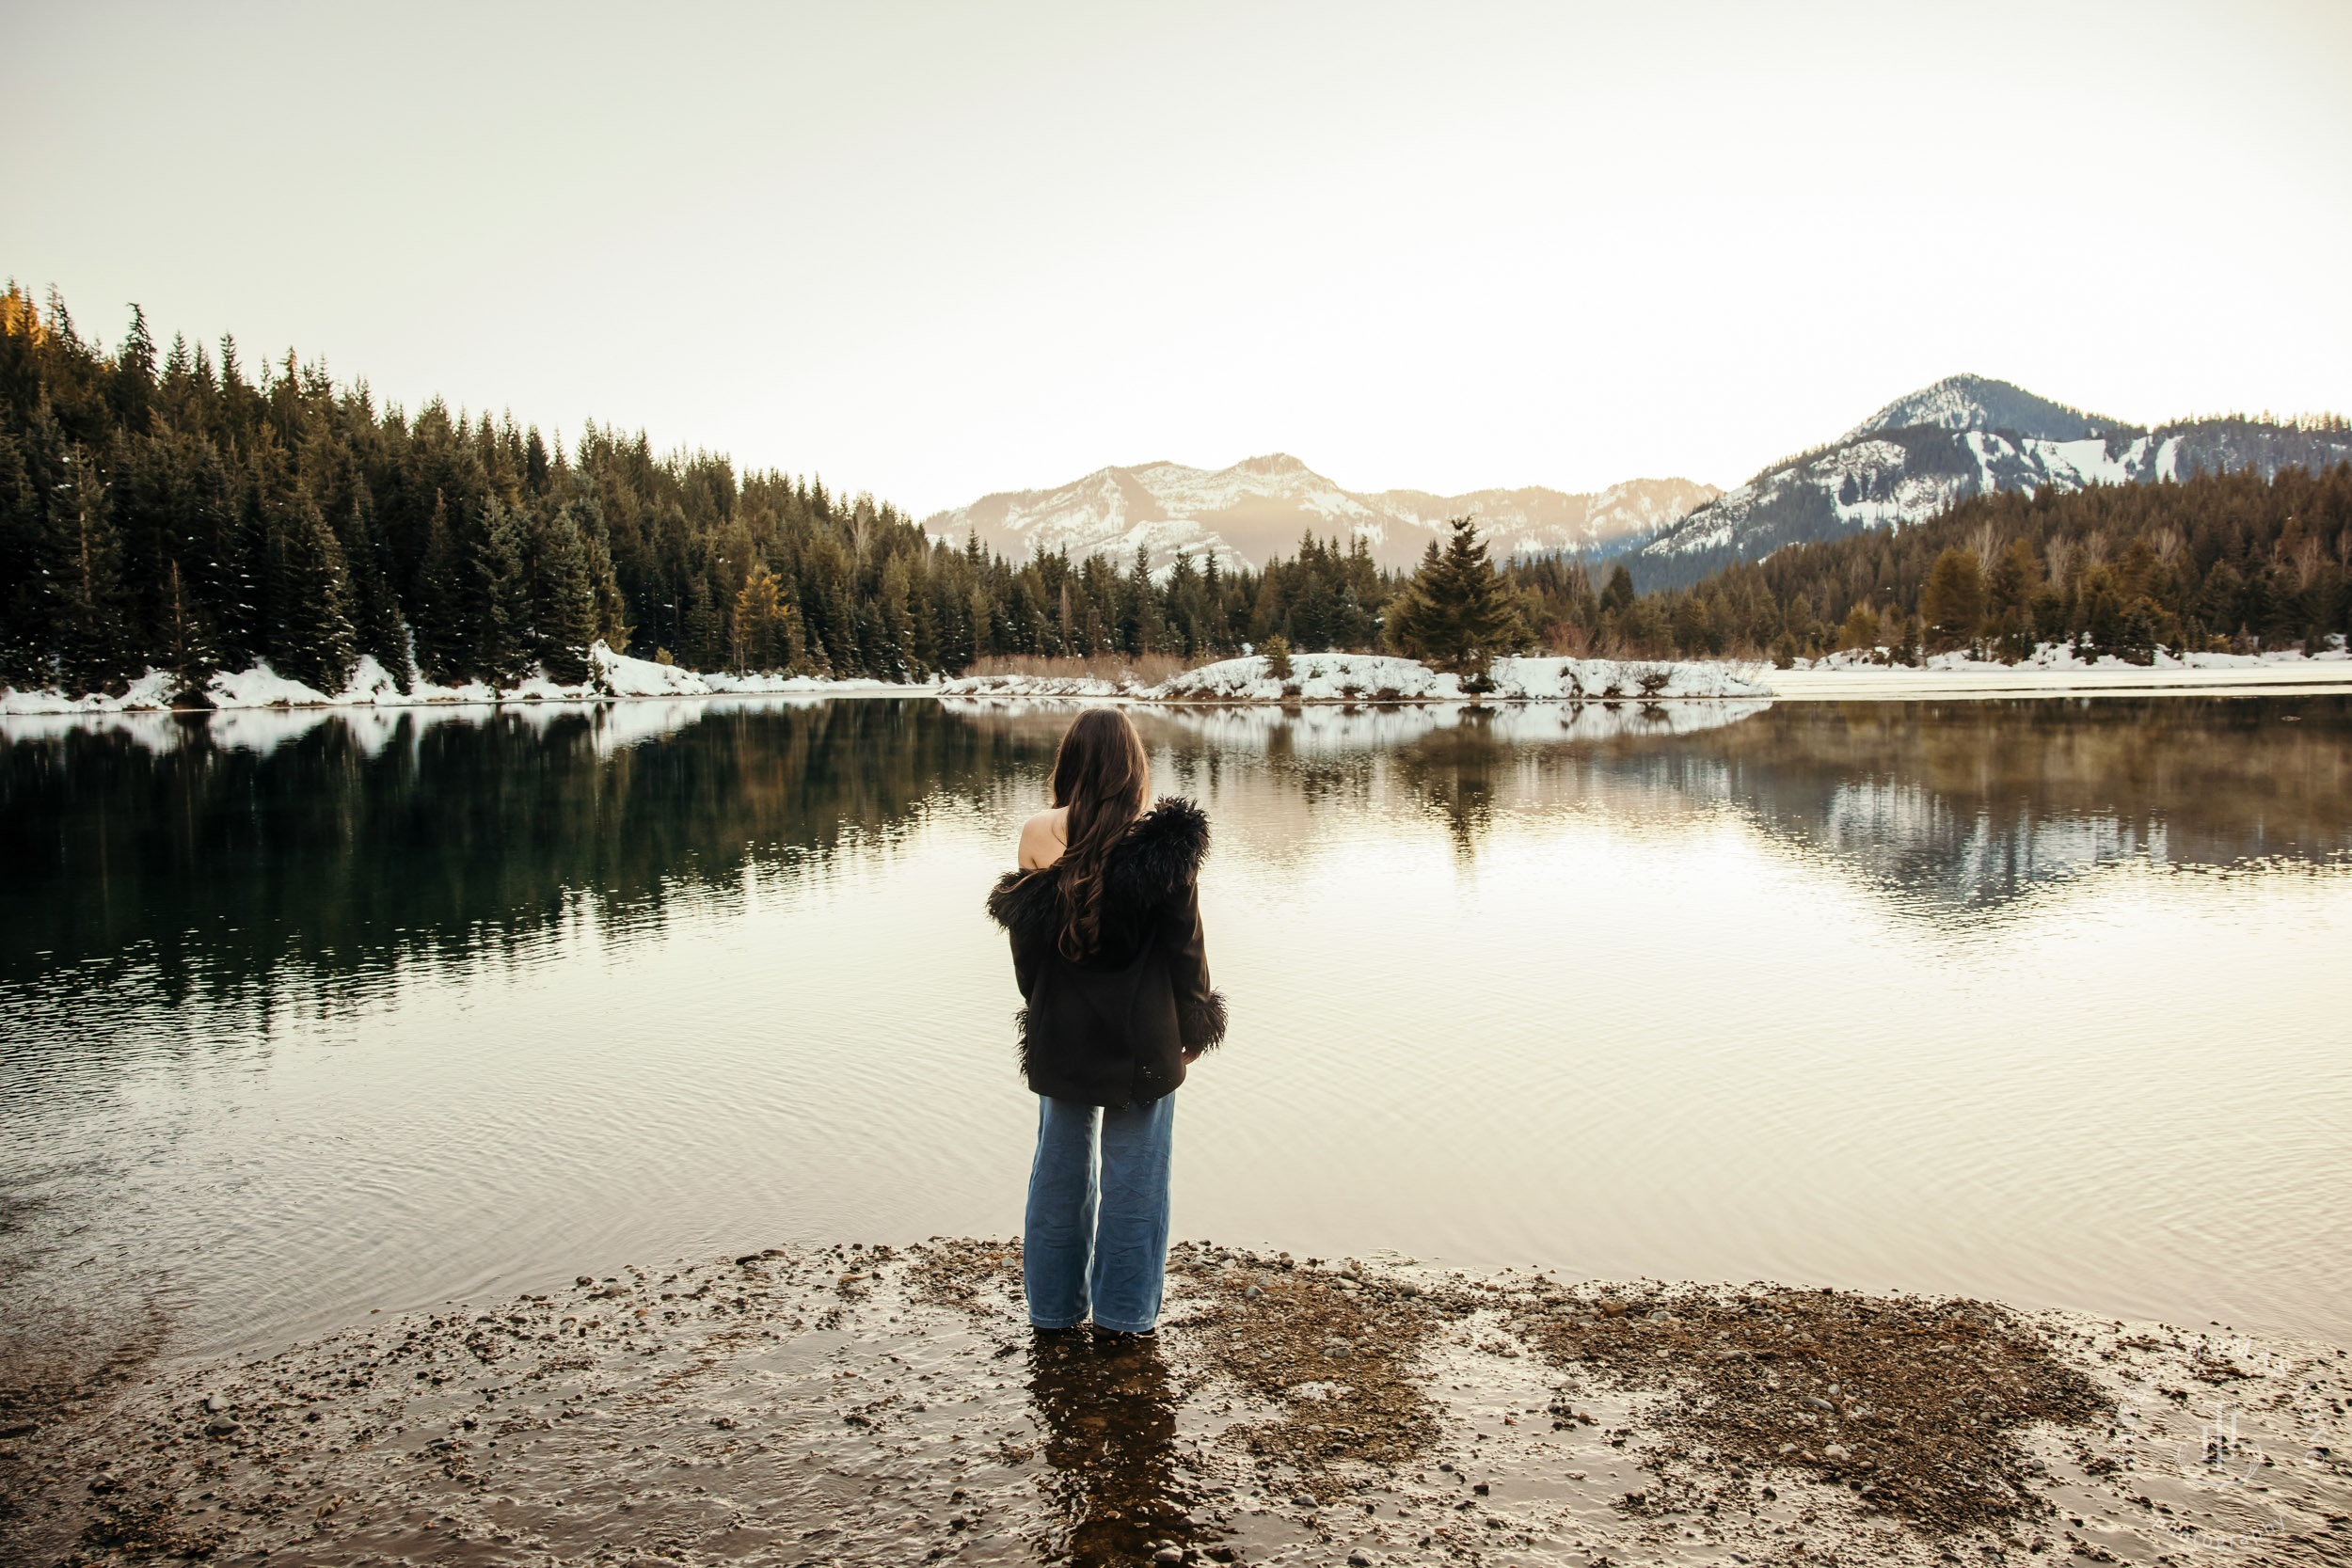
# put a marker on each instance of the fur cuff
(1202, 1028)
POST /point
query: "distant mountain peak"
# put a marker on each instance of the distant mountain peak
(1245, 515)
(1969, 402)
(1965, 436)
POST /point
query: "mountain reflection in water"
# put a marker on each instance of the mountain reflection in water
(347, 843)
(306, 1013)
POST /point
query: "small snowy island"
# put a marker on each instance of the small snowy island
(1380, 678)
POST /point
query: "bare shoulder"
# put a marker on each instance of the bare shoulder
(1044, 837)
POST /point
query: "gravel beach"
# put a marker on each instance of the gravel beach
(857, 1405)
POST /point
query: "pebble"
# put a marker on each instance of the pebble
(1169, 1554)
(1818, 1403)
(1302, 1500)
(1835, 1451)
(215, 1404)
(1252, 1294)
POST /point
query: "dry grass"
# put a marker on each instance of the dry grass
(1142, 669)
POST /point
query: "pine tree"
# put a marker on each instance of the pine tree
(85, 587)
(701, 647)
(1953, 603)
(497, 594)
(613, 626)
(377, 627)
(2013, 578)
(897, 620)
(132, 387)
(315, 643)
(1277, 650)
(564, 614)
(183, 645)
(23, 621)
(1617, 598)
(1861, 630)
(1457, 614)
(765, 639)
(443, 637)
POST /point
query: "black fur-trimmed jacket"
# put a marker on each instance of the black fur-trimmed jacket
(1114, 1030)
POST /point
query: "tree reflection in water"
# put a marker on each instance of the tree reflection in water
(1109, 1413)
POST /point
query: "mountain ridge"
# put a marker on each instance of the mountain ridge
(1958, 437)
(1245, 514)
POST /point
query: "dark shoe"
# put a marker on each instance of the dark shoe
(1119, 1339)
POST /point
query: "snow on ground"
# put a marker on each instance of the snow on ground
(151, 691)
(610, 674)
(1039, 686)
(1378, 678)
(2057, 667)
(1332, 730)
(1314, 678)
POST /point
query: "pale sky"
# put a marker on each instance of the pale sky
(937, 250)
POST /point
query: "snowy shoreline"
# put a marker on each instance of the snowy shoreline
(611, 677)
(2056, 672)
(1381, 678)
(1347, 679)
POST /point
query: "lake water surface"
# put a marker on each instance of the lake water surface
(306, 1015)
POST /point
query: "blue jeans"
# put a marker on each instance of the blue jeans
(1098, 1246)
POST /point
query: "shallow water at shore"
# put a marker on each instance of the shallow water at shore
(2035, 1001)
(851, 1406)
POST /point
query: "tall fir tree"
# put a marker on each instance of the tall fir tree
(444, 636)
(764, 637)
(496, 591)
(564, 610)
(24, 611)
(314, 641)
(182, 645)
(1457, 614)
(84, 568)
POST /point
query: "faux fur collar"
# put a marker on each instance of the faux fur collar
(1160, 855)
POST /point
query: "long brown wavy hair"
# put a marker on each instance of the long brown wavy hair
(1102, 775)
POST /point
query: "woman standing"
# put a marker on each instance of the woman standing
(1108, 953)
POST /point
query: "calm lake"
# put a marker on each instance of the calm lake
(303, 1015)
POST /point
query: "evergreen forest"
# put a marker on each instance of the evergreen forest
(180, 507)
(2214, 563)
(177, 508)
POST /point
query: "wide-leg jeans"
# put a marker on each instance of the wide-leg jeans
(1094, 1242)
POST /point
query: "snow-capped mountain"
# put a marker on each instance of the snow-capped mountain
(1960, 437)
(1257, 509)
(1976, 403)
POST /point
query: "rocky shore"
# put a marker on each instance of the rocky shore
(857, 1405)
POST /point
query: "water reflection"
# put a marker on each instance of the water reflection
(210, 863)
(1960, 805)
(220, 854)
(310, 1011)
(1108, 1408)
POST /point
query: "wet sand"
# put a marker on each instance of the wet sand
(856, 1406)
